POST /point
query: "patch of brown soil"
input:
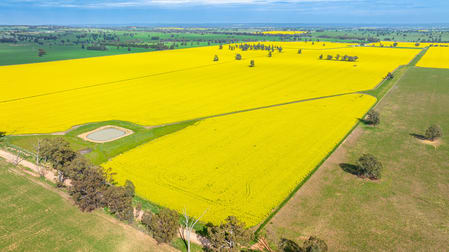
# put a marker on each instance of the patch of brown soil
(435, 143)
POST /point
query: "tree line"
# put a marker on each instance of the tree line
(92, 187)
(339, 58)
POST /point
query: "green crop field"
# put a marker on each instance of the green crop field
(34, 217)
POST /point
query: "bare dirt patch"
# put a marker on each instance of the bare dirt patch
(436, 143)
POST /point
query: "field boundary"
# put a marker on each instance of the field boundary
(286, 200)
(378, 99)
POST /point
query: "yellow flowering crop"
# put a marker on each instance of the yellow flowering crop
(435, 57)
(405, 44)
(170, 86)
(242, 164)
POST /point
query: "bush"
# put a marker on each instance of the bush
(433, 132)
(372, 118)
(216, 58)
(369, 167)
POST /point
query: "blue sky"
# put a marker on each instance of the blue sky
(65, 12)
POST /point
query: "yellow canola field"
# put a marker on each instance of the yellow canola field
(284, 32)
(221, 87)
(406, 44)
(49, 77)
(435, 57)
(242, 164)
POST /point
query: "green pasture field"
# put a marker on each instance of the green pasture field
(35, 217)
(406, 210)
(99, 153)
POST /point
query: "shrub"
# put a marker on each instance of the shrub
(216, 58)
(433, 132)
(372, 118)
(369, 167)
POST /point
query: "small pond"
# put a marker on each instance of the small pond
(106, 134)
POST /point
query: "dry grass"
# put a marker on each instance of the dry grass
(404, 211)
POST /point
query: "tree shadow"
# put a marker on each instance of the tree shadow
(366, 122)
(350, 168)
(418, 136)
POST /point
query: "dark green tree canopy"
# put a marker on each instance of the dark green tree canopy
(369, 167)
(433, 132)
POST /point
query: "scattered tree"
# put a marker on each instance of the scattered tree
(299, 51)
(269, 54)
(372, 118)
(216, 58)
(321, 56)
(433, 132)
(238, 56)
(251, 63)
(220, 47)
(369, 167)
(314, 244)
